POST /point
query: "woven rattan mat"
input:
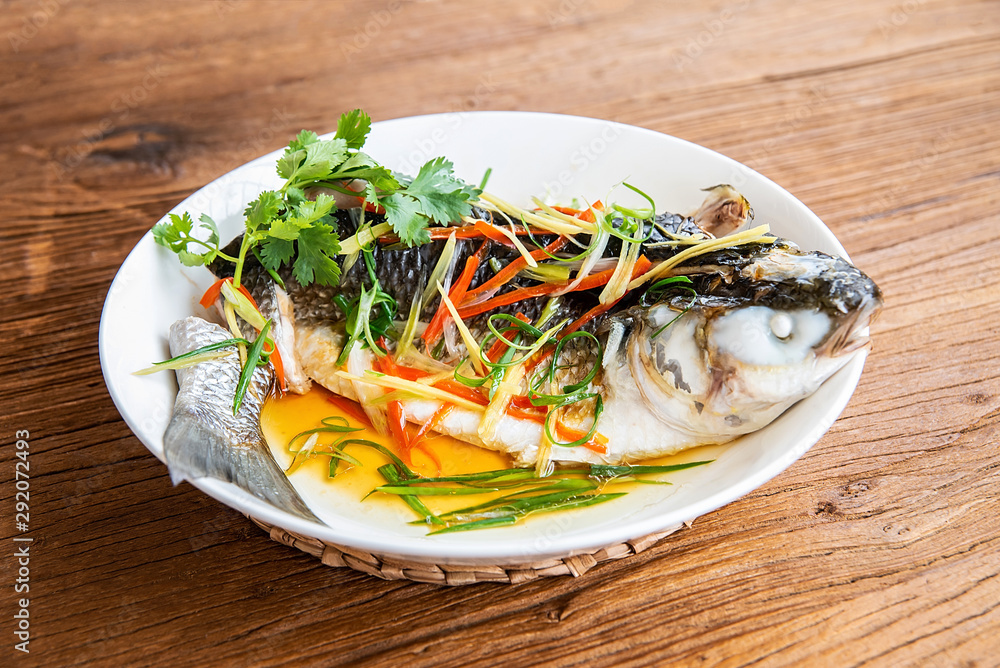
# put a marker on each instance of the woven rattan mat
(389, 568)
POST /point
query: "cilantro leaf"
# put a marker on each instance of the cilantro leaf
(304, 215)
(320, 160)
(262, 210)
(362, 166)
(294, 195)
(313, 210)
(287, 229)
(275, 252)
(308, 158)
(289, 162)
(318, 246)
(213, 230)
(171, 234)
(437, 183)
(435, 195)
(353, 128)
(189, 259)
(304, 138)
(175, 233)
(403, 214)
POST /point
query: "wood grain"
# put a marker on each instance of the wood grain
(879, 547)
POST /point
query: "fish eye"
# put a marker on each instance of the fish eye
(762, 336)
(781, 325)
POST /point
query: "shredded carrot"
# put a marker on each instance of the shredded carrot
(397, 429)
(586, 317)
(212, 294)
(500, 346)
(397, 419)
(512, 297)
(601, 278)
(429, 453)
(597, 280)
(436, 326)
(406, 372)
(582, 214)
(463, 391)
(522, 414)
(511, 270)
(523, 401)
(432, 424)
(598, 442)
(569, 211)
(214, 290)
(492, 233)
(389, 366)
(279, 367)
(351, 409)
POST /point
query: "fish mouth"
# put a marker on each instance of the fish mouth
(853, 332)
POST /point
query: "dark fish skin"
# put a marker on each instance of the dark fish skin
(747, 275)
(205, 439)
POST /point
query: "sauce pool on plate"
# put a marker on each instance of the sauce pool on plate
(292, 414)
(284, 418)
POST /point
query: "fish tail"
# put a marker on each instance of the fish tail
(194, 450)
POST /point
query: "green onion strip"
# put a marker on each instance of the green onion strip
(210, 352)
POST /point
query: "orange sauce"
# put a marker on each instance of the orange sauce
(282, 419)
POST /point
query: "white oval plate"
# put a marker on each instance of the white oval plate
(530, 154)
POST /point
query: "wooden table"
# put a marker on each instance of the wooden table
(878, 547)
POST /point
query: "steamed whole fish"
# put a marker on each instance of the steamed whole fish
(770, 323)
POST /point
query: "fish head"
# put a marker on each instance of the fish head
(766, 327)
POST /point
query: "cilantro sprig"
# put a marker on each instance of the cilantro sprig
(294, 225)
(286, 226)
(177, 236)
(435, 195)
